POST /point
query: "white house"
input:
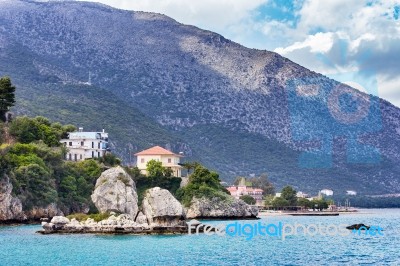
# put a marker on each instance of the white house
(351, 192)
(85, 145)
(167, 158)
(327, 192)
(301, 194)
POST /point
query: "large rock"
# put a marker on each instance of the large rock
(60, 220)
(228, 208)
(10, 207)
(116, 191)
(162, 209)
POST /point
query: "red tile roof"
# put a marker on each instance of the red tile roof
(156, 150)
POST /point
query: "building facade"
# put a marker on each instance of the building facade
(241, 190)
(167, 158)
(85, 145)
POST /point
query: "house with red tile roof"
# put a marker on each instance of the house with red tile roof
(167, 158)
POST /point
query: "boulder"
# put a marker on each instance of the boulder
(59, 220)
(228, 208)
(116, 191)
(162, 209)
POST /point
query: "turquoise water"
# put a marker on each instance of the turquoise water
(20, 245)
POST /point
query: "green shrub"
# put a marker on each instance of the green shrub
(83, 217)
(202, 183)
(248, 199)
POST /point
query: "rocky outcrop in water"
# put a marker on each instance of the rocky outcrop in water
(218, 208)
(116, 191)
(161, 213)
(161, 208)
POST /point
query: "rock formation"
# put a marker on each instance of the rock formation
(229, 208)
(49, 211)
(161, 208)
(10, 207)
(116, 191)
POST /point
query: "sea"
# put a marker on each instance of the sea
(315, 241)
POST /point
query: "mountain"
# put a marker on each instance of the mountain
(148, 80)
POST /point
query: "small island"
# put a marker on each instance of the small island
(159, 212)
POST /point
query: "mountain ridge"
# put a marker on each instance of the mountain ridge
(183, 79)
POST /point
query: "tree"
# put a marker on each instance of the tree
(110, 159)
(34, 186)
(202, 183)
(305, 203)
(238, 180)
(268, 200)
(7, 96)
(263, 182)
(289, 194)
(190, 166)
(319, 204)
(154, 168)
(280, 202)
(248, 199)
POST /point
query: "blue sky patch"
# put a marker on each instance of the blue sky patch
(284, 11)
(396, 12)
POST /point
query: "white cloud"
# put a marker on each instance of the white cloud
(318, 43)
(209, 14)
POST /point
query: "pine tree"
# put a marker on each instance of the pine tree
(7, 96)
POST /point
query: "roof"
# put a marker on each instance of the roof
(86, 135)
(157, 150)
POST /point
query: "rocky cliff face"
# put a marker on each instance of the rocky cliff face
(231, 107)
(10, 207)
(229, 208)
(116, 191)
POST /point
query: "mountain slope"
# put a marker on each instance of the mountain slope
(233, 108)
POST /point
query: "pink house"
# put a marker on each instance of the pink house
(238, 191)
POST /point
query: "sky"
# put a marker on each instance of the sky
(353, 41)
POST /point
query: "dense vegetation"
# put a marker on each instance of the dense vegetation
(158, 176)
(202, 183)
(289, 200)
(33, 160)
(248, 199)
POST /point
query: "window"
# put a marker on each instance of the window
(70, 156)
(80, 156)
(82, 143)
(142, 160)
(92, 145)
(169, 160)
(98, 154)
(92, 153)
(98, 146)
(76, 157)
(70, 143)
